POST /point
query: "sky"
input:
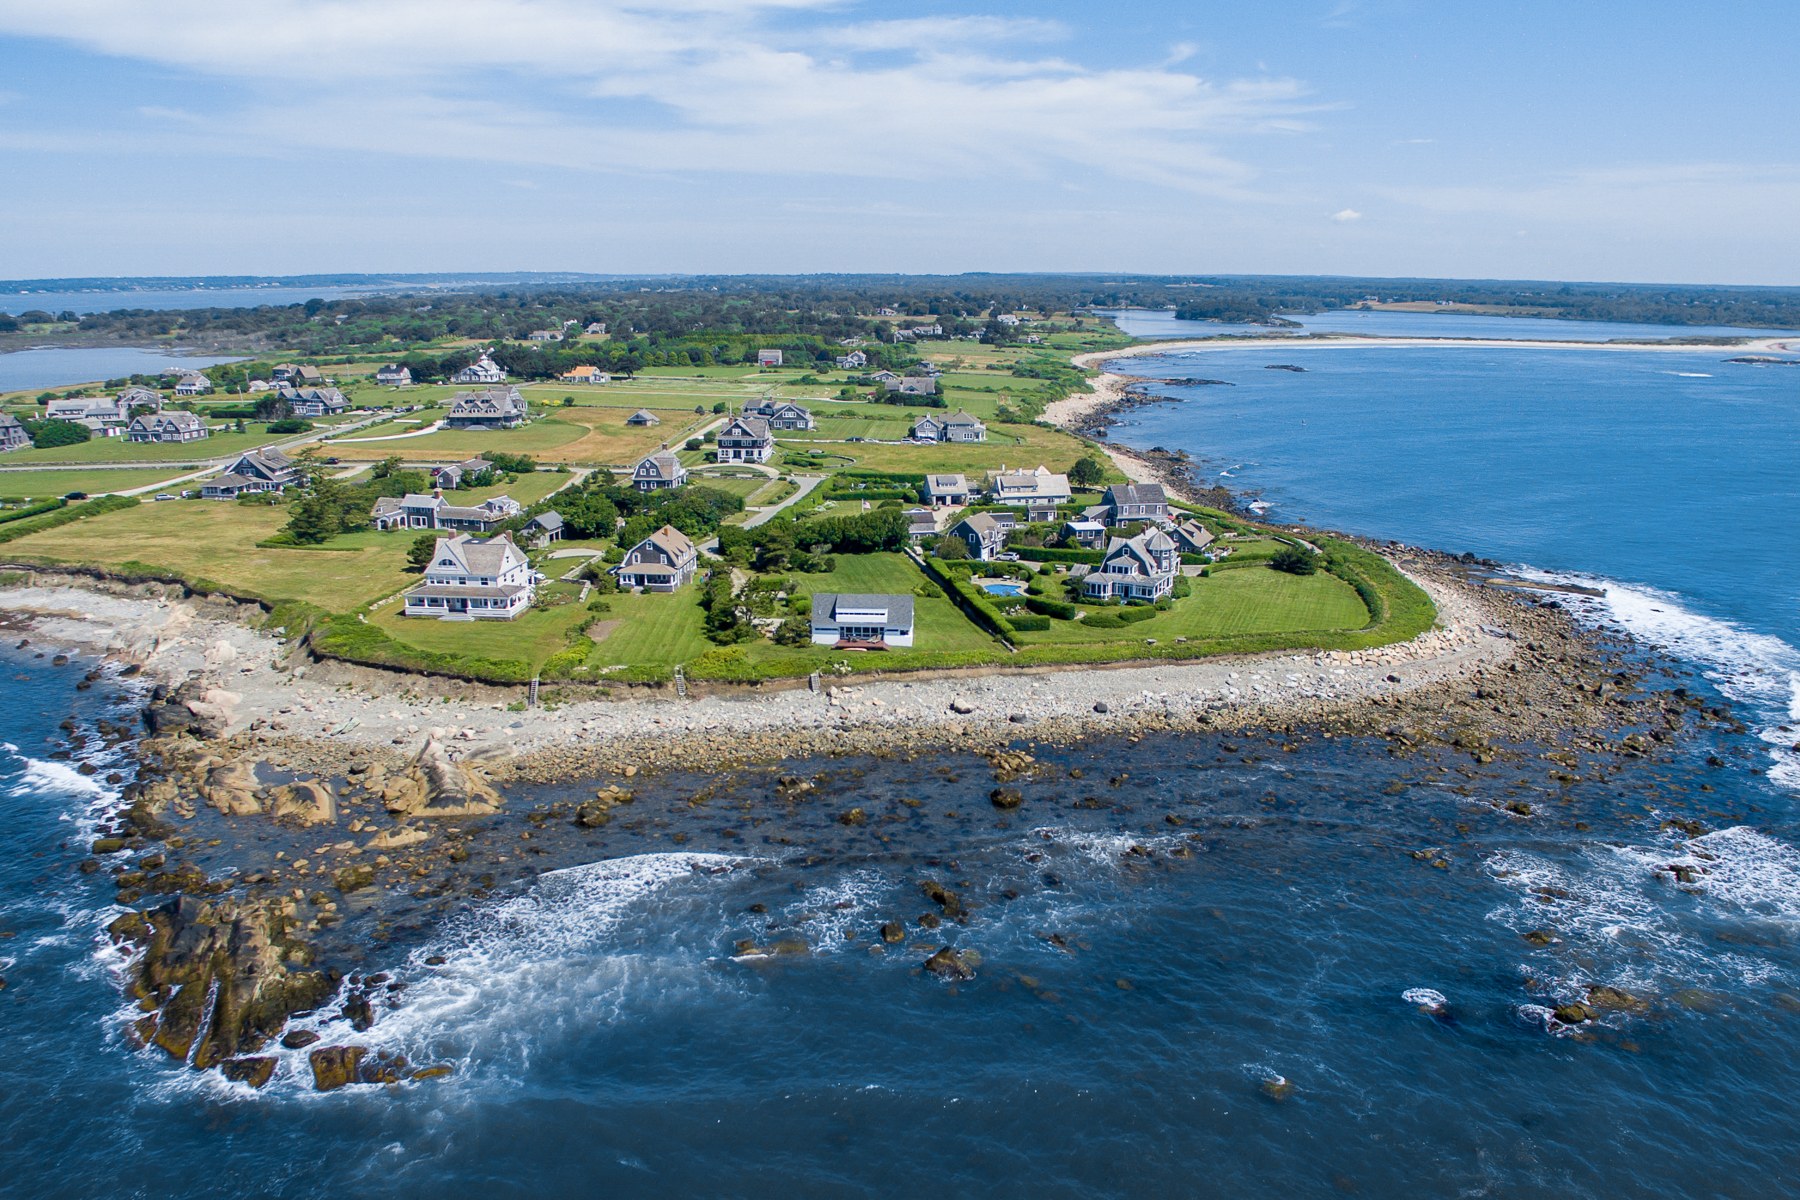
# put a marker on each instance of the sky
(1544, 140)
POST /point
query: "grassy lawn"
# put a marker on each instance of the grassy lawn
(650, 630)
(571, 435)
(216, 540)
(736, 485)
(531, 638)
(42, 484)
(1233, 603)
(219, 445)
(940, 626)
(1015, 446)
(526, 489)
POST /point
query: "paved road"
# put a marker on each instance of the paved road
(807, 484)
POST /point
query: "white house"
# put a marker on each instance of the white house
(1039, 492)
(1139, 568)
(473, 579)
(861, 621)
(104, 415)
(482, 370)
(193, 385)
(768, 358)
(394, 375)
(959, 426)
(585, 374)
(942, 491)
(662, 562)
(658, 472)
(546, 335)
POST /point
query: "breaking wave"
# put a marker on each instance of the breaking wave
(1757, 671)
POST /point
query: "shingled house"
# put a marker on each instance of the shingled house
(473, 579)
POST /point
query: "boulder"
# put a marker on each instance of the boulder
(1602, 996)
(892, 932)
(253, 1071)
(944, 898)
(438, 786)
(1006, 797)
(334, 1067)
(306, 801)
(949, 963)
(232, 788)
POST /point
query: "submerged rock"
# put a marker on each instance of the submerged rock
(334, 1067)
(948, 963)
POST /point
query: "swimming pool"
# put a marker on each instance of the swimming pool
(1004, 589)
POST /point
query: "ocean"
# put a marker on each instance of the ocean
(1209, 965)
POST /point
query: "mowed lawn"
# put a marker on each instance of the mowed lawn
(47, 484)
(568, 435)
(216, 540)
(1015, 446)
(219, 445)
(531, 637)
(1252, 600)
(939, 624)
(655, 629)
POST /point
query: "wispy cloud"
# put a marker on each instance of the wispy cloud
(768, 86)
(1346, 215)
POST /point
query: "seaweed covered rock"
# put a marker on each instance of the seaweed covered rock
(214, 976)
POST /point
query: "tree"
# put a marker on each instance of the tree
(1087, 471)
(950, 547)
(1295, 561)
(58, 433)
(418, 555)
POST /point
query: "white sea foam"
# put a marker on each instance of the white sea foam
(565, 952)
(1424, 997)
(1757, 671)
(1690, 374)
(57, 778)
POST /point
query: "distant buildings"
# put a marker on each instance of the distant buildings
(856, 360)
(909, 385)
(781, 414)
(12, 434)
(959, 426)
(193, 385)
(546, 335)
(416, 511)
(394, 375)
(453, 476)
(314, 401)
(104, 415)
(167, 427)
(643, 418)
(585, 374)
(471, 579)
(768, 358)
(482, 370)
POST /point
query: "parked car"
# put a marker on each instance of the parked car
(164, 496)
(75, 496)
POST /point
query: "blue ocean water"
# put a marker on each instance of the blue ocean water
(1209, 966)
(1158, 323)
(62, 366)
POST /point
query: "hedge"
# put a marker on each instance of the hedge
(1051, 608)
(25, 526)
(1049, 554)
(38, 509)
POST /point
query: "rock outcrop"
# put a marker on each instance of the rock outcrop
(214, 977)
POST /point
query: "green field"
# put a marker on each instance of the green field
(216, 540)
(1252, 600)
(219, 445)
(17, 484)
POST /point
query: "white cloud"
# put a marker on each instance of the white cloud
(1346, 215)
(772, 86)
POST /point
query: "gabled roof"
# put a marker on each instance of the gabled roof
(747, 427)
(643, 416)
(981, 523)
(485, 557)
(670, 541)
(549, 522)
(1136, 493)
(663, 465)
(947, 483)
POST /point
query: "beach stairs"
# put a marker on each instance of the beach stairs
(680, 683)
(531, 693)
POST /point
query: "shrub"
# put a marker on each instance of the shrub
(1295, 561)
(290, 425)
(45, 434)
(64, 515)
(1028, 624)
(1051, 608)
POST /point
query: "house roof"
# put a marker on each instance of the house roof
(749, 427)
(663, 465)
(670, 541)
(643, 416)
(830, 608)
(947, 483)
(477, 556)
(1136, 493)
(549, 522)
(8, 421)
(982, 523)
(230, 480)
(181, 420)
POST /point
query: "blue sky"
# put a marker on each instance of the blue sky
(1651, 141)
